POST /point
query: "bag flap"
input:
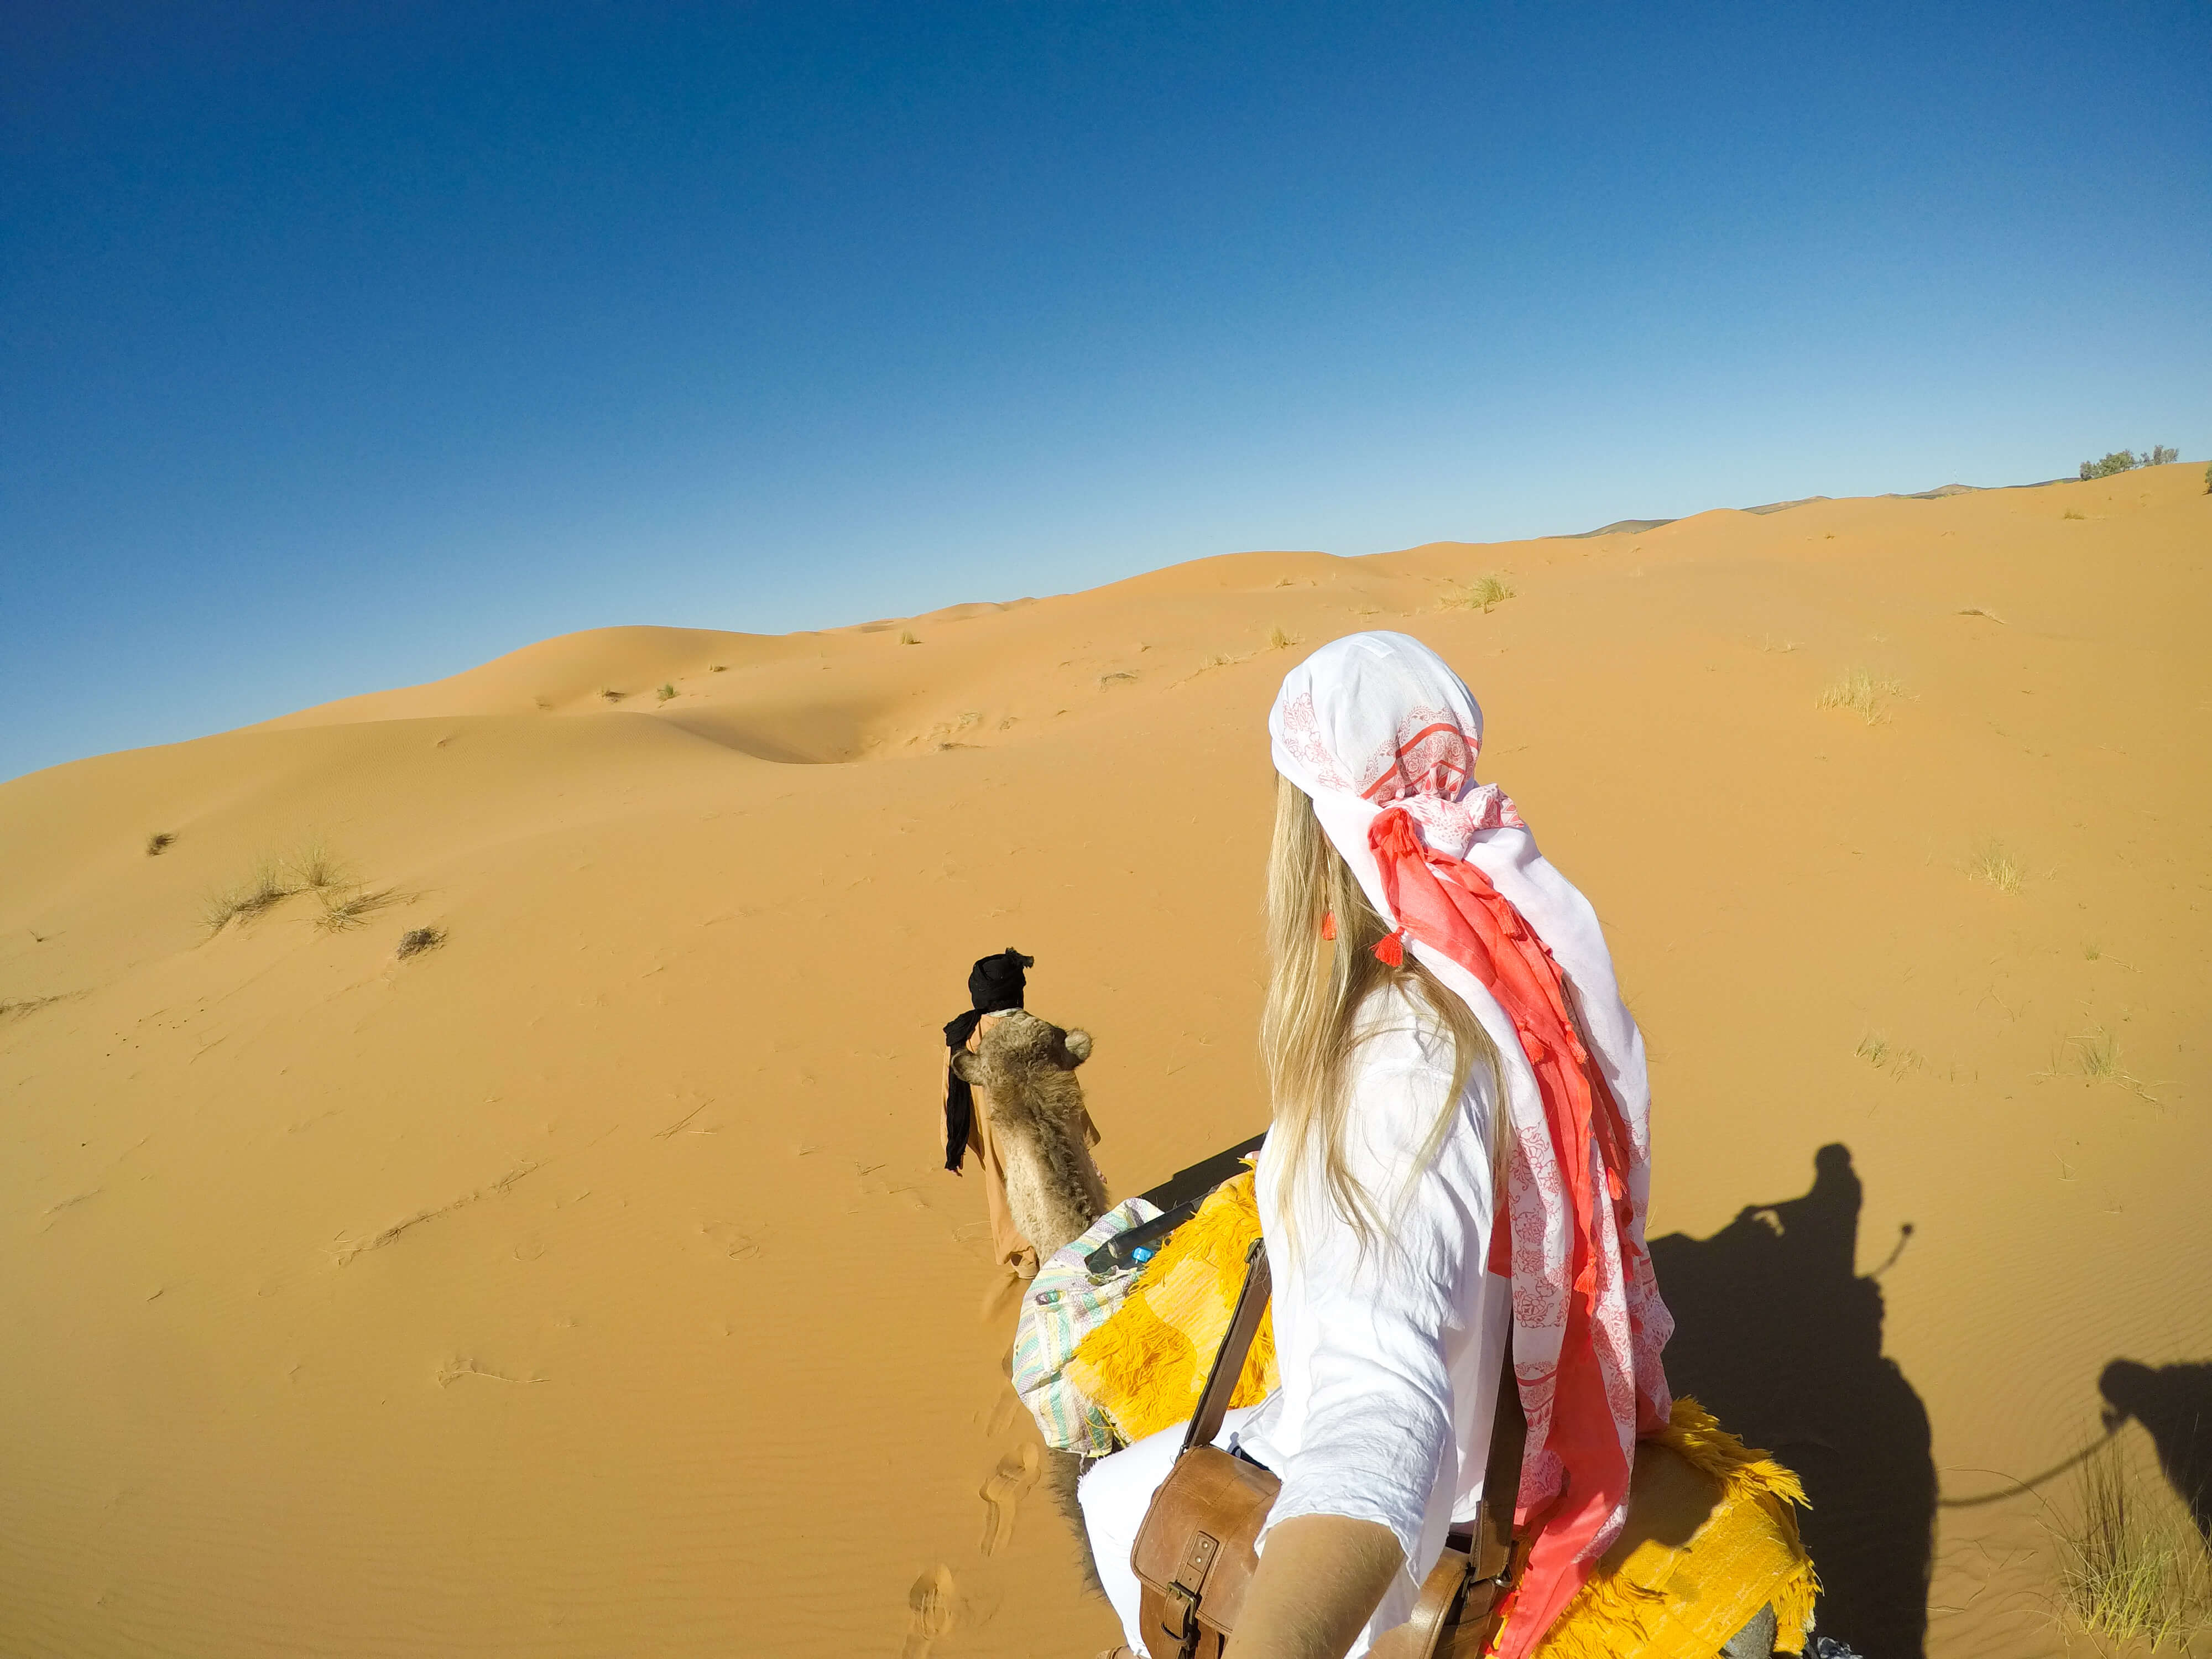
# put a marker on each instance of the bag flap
(1202, 1531)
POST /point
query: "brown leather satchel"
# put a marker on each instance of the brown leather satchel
(1197, 1550)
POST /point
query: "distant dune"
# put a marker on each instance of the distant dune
(583, 1282)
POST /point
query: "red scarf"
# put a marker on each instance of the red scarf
(1450, 906)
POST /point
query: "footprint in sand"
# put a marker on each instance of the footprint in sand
(929, 1612)
(1003, 1493)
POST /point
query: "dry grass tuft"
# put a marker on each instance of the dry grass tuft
(905, 637)
(2093, 1056)
(1879, 1051)
(266, 886)
(159, 842)
(610, 694)
(2097, 1055)
(1864, 695)
(316, 868)
(664, 691)
(342, 912)
(1482, 593)
(1279, 640)
(2130, 1573)
(1991, 863)
(717, 668)
(2070, 513)
(415, 940)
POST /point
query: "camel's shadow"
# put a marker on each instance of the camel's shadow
(2175, 1403)
(1777, 1334)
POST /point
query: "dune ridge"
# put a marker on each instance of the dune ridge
(587, 1284)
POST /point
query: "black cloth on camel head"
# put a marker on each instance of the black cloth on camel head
(995, 986)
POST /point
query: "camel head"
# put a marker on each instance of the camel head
(1019, 1042)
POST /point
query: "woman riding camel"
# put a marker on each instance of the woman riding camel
(1463, 1035)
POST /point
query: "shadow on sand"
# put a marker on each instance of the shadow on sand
(2175, 1403)
(1777, 1334)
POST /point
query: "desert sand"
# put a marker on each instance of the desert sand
(587, 1283)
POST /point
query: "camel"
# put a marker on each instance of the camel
(1024, 1070)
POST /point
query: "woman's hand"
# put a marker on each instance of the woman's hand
(1317, 1585)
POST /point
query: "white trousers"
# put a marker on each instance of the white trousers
(1114, 1495)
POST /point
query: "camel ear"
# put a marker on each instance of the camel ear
(1078, 1045)
(967, 1067)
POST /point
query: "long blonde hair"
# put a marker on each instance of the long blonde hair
(1310, 1028)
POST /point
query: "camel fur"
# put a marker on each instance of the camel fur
(1023, 1070)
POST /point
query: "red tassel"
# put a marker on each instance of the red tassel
(1389, 951)
(1328, 924)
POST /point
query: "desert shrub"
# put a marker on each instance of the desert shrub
(905, 637)
(2129, 1571)
(158, 843)
(2122, 460)
(1279, 640)
(415, 940)
(664, 692)
(610, 694)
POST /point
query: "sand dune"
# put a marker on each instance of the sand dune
(586, 1283)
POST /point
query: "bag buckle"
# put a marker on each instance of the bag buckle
(1180, 1623)
(1180, 1598)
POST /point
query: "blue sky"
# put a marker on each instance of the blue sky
(346, 346)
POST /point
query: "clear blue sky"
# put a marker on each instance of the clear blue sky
(343, 346)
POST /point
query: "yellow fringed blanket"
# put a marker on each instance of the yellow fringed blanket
(1712, 1536)
(1145, 1367)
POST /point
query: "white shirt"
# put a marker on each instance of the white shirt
(1389, 1363)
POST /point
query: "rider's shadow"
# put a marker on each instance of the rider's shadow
(1778, 1335)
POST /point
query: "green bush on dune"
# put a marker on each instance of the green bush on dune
(2122, 461)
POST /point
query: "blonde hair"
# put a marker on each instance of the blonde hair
(1310, 1028)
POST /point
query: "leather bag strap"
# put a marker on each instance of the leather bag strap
(1235, 1343)
(1501, 1474)
(1440, 1594)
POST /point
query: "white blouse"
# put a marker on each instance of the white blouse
(1389, 1361)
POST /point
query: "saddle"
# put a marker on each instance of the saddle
(1710, 1543)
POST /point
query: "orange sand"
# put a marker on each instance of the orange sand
(587, 1284)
